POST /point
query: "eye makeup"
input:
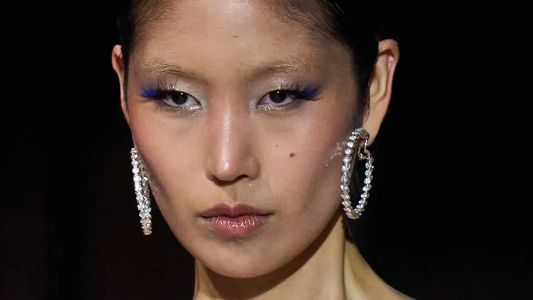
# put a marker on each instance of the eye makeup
(170, 96)
(150, 92)
(286, 95)
(163, 87)
(301, 91)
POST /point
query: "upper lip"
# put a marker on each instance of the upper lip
(233, 211)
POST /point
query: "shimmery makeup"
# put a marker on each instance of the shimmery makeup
(336, 152)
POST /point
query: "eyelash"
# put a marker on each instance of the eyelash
(163, 90)
(296, 91)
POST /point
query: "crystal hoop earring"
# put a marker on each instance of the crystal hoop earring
(356, 145)
(142, 191)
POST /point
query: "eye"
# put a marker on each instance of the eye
(288, 96)
(179, 99)
(279, 98)
(173, 98)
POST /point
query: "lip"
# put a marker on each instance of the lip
(235, 221)
(233, 211)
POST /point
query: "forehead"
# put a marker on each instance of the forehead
(299, 13)
(232, 30)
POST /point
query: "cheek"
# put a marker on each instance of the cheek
(306, 169)
(302, 170)
(173, 156)
(307, 184)
(304, 173)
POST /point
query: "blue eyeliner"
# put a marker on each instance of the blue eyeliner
(310, 93)
(302, 91)
(149, 93)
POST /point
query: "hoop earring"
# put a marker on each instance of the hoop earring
(356, 146)
(142, 191)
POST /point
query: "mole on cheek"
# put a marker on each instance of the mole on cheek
(292, 154)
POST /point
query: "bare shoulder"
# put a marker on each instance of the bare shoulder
(396, 295)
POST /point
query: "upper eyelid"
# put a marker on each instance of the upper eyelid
(163, 85)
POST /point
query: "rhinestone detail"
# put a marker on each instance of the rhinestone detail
(142, 191)
(353, 146)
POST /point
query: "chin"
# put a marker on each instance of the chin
(241, 259)
(239, 273)
(240, 266)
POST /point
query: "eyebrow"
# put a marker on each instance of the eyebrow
(162, 68)
(272, 67)
(277, 67)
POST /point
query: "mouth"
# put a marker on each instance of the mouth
(237, 221)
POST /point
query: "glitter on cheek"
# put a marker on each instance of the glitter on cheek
(336, 152)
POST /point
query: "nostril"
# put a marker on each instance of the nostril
(224, 181)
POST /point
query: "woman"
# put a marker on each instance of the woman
(247, 119)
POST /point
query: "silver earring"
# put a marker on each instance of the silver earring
(356, 146)
(142, 191)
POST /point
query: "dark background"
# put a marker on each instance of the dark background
(449, 212)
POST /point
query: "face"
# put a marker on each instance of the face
(240, 116)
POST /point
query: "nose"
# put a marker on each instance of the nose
(230, 146)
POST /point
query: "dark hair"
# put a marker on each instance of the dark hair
(350, 22)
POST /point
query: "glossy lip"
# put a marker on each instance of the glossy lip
(237, 221)
(233, 211)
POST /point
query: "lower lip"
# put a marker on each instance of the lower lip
(241, 226)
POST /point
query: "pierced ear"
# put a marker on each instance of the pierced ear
(381, 86)
(118, 65)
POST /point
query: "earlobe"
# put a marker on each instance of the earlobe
(381, 86)
(118, 66)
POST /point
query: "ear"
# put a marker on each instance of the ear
(118, 66)
(381, 86)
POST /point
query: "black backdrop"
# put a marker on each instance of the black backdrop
(448, 217)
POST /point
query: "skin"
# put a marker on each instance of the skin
(229, 148)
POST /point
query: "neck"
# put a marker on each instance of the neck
(330, 268)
